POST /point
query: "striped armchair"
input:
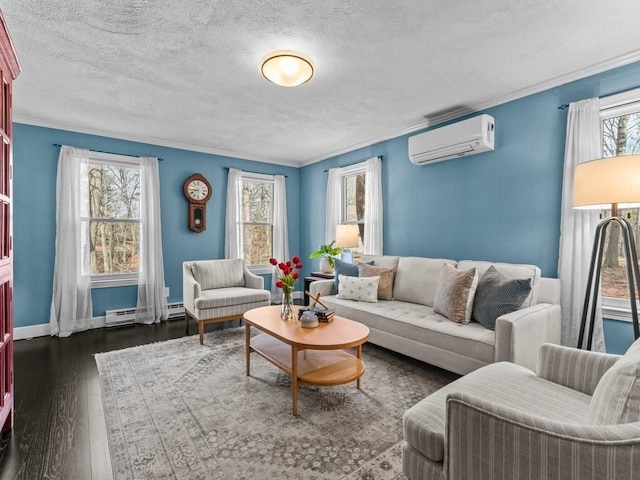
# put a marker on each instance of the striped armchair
(577, 418)
(220, 290)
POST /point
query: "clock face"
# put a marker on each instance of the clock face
(198, 190)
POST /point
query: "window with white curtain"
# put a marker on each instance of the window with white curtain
(620, 116)
(353, 204)
(111, 220)
(257, 221)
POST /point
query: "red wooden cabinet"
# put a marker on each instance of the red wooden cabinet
(9, 70)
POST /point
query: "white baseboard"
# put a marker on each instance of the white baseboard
(44, 329)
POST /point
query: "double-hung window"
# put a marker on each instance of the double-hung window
(620, 136)
(257, 221)
(111, 220)
(353, 204)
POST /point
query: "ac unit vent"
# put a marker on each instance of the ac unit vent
(176, 309)
(123, 316)
(474, 135)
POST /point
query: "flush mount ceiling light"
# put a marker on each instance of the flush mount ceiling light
(287, 69)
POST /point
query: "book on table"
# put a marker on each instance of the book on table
(323, 314)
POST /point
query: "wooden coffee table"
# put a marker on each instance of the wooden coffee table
(315, 356)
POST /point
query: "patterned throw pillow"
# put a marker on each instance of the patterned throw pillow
(344, 268)
(385, 287)
(455, 293)
(363, 289)
(498, 295)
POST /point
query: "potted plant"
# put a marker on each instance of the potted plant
(327, 253)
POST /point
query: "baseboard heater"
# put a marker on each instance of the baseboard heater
(126, 316)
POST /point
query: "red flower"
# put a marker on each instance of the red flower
(279, 284)
(296, 260)
(273, 261)
(287, 275)
(299, 266)
(296, 275)
(281, 266)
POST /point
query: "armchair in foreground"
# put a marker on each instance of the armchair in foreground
(577, 418)
(220, 290)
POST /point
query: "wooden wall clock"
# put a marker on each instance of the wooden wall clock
(198, 191)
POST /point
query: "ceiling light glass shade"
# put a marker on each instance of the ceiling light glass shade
(600, 183)
(287, 69)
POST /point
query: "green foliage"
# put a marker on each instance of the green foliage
(327, 251)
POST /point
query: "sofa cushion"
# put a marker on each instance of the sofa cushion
(509, 270)
(385, 286)
(218, 273)
(498, 295)
(505, 383)
(616, 398)
(363, 289)
(455, 293)
(417, 279)
(343, 268)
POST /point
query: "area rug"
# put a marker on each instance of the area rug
(179, 410)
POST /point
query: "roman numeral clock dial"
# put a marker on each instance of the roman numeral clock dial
(198, 192)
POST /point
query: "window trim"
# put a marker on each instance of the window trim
(106, 280)
(615, 106)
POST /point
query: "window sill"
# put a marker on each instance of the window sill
(114, 282)
(261, 269)
(614, 312)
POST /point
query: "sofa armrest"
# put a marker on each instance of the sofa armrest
(577, 369)
(519, 334)
(251, 280)
(321, 286)
(190, 288)
(487, 440)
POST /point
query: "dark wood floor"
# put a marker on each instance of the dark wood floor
(57, 432)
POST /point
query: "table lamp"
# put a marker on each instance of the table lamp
(347, 238)
(599, 184)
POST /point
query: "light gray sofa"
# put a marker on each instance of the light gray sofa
(408, 325)
(577, 418)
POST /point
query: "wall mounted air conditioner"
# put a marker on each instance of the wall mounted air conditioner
(474, 135)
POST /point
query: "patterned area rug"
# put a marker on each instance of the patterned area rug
(178, 410)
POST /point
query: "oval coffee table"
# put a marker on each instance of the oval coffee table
(315, 356)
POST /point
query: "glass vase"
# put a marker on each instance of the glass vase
(286, 308)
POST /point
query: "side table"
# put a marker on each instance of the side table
(314, 277)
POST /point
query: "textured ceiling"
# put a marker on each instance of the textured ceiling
(186, 74)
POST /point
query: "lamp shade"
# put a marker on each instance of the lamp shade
(347, 236)
(614, 180)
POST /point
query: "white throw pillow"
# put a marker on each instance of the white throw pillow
(360, 289)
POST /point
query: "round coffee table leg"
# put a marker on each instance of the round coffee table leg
(359, 355)
(294, 379)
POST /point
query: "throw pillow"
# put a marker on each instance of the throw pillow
(498, 295)
(345, 269)
(616, 398)
(385, 286)
(360, 289)
(455, 292)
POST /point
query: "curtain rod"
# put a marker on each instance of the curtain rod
(566, 105)
(257, 173)
(110, 153)
(354, 163)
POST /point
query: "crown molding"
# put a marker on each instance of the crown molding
(148, 140)
(594, 69)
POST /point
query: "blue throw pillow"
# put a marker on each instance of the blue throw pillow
(498, 295)
(343, 268)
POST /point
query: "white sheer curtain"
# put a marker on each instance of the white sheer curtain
(583, 143)
(334, 204)
(373, 207)
(373, 217)
(152, 304)
(233, 231)
(71, 308)
(280, 229)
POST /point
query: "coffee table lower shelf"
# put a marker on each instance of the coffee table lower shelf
(314, 367)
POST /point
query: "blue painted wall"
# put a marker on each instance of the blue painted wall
(500, 206)
(35, 164)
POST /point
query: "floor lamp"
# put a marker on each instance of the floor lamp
(347, 238)
(598, 184)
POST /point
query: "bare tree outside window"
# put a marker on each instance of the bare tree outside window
(114, 219)
(620, 136)
(353, 192)
(257, 222)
